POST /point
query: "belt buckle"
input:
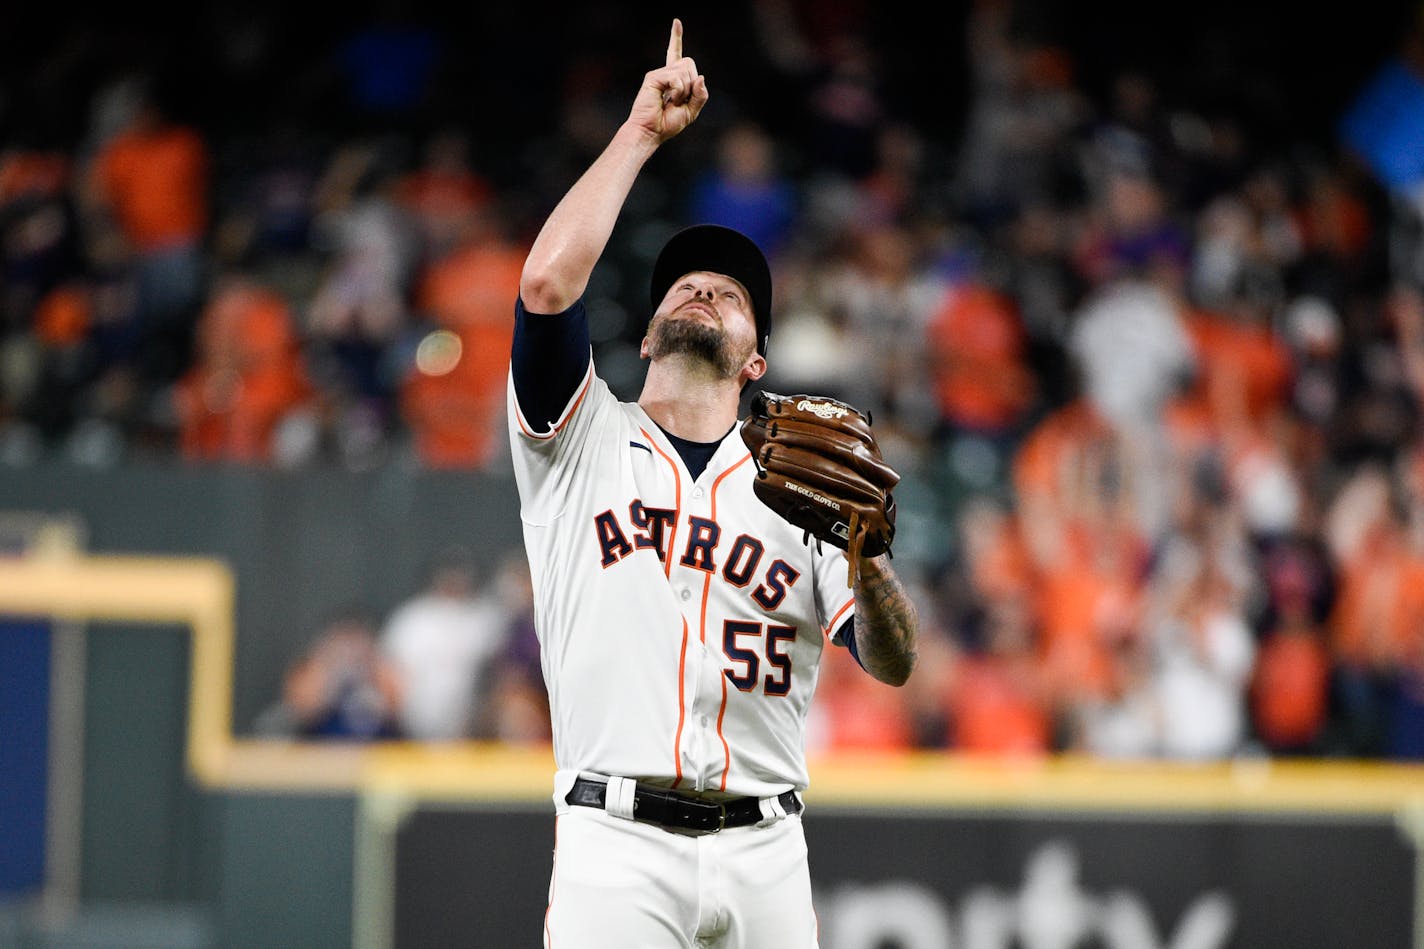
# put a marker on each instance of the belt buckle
(700, 806)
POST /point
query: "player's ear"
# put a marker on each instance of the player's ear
(643, 349)
(754, 368)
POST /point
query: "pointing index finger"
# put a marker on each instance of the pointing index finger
(674, 50)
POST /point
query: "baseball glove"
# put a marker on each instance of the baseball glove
(819, 468)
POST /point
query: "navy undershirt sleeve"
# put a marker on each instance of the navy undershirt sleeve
(548, 361)
(847, 632)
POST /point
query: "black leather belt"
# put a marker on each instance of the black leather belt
(677, 811)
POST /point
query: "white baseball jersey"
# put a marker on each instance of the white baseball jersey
(681, 621)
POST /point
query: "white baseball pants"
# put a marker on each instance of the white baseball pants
(621, 884)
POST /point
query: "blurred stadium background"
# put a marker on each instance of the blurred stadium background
(1135, 293)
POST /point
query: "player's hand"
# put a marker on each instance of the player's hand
(672, 96)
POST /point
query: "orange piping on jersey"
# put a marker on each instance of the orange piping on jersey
(677, 502)
(836, 620)
(682, 704)
(706, 585)
(559, 425)
(707, 580)
(726, 749)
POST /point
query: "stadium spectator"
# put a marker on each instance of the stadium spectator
(1122, 720)
(879, 282)
(1203, 656)
(246, 382)
(981, 381)
(146, 194)
(1377, 603)
(443, 191)
(1132, 232)
(340, 689)
(997, 696)
(1290, 686)
(1133, 356)
(441, 643)
(266, 217)
(1245, 368)
(983, 386)
(361, 304)
(747, 189)
(451, 393)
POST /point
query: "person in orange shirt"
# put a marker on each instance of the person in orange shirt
(148, 185)
(1245, 367)
(1381, 582)
(1046, 473)
(1290, 686)
(997, 698)
(247, 379)
(1073, 484)
(1078, 602)
(981, 379)
(1060, 468)
(1379, 606)
(443, 191)
(452, 397)
(995, 561)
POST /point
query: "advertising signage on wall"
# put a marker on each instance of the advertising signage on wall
(1000, 880)
(1039, 881)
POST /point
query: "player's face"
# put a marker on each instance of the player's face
(707, 316)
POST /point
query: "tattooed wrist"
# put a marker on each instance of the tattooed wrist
(886, 623)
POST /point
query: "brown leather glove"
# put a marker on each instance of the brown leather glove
(818, 466)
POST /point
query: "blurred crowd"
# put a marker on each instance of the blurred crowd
(1151, 376)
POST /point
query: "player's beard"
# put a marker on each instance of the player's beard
(694, 338)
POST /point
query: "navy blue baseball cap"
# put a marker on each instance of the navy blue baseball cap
(723, 250)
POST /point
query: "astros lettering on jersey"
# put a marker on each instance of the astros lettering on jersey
(715, 609)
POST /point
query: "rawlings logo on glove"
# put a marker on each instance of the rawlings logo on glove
(819, 468)
(824, 409)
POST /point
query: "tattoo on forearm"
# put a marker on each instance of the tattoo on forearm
(885, 625)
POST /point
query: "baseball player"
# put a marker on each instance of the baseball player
(681, 621)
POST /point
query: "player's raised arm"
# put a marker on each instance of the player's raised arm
(574, 236)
